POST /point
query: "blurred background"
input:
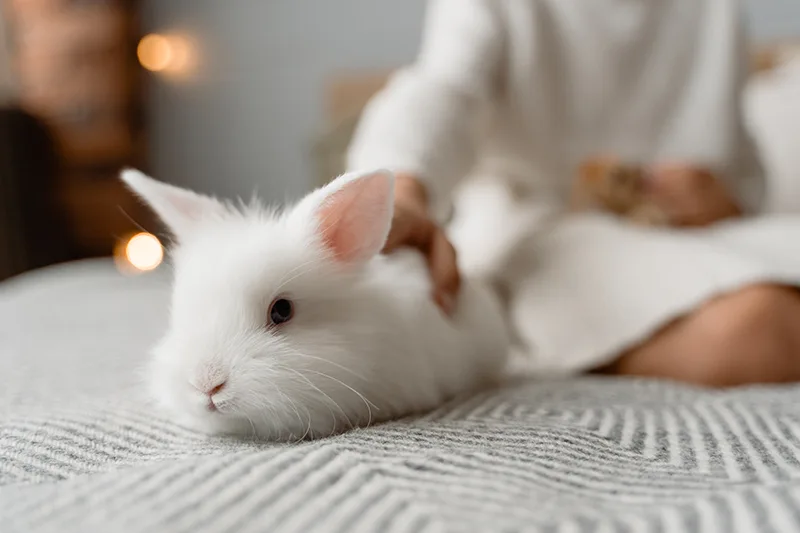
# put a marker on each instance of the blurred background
(226, 97)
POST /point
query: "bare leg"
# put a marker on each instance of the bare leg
(749, 336)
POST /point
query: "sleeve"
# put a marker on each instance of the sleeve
(427, 119)
(747, 178)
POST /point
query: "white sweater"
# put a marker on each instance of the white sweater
(531, 87)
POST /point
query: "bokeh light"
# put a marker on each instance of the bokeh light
(165, 53)
(144, 251)
(155, 52)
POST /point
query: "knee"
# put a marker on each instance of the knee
(750, 336)
(747, 316)
(747, 337)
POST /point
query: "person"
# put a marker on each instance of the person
(517, 93)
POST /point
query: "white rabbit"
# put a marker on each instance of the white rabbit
(290, 325)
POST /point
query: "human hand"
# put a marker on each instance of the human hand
(690, 196)
(412, 226)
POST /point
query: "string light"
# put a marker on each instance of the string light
(171, 54)
(141, 253)
(154, 52)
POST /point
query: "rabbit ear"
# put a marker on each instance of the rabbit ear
(180, 209)
(353, 215)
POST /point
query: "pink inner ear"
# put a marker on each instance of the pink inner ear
(354, 220)
(194, 206)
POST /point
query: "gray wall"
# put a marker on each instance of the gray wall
(247, 121)
(774, 18)
(250, 117)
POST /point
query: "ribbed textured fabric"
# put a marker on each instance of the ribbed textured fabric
(80, 452)
(581, 455)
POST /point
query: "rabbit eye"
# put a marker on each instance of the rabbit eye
(280, 311)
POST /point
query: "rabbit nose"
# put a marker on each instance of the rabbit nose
(215, 389)
(210, 390)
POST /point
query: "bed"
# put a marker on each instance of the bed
(80, 450)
